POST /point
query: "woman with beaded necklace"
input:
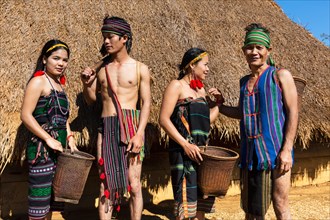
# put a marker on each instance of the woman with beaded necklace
(186, 116)
(45, 113)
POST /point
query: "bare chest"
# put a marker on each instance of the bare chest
(252, 83)
(119, 79)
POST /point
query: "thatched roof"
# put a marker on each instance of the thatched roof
(162, 32)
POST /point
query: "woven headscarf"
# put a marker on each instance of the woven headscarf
(117, 26)
(260, 37)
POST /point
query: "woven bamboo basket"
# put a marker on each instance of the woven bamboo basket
(71, 175)
(215, 172)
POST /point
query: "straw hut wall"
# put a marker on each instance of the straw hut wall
(162, 32)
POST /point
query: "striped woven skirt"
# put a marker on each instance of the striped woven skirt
(187, 198)
(40, 198)
(42, 166)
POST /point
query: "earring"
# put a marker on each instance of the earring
(62, 79)
(38, 73)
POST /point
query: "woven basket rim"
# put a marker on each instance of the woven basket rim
(218, 157)
(297, 78)
(77, 155)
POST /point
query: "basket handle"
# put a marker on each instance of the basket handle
(206, 143)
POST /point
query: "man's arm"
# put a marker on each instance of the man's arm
(231, 111)
(136, 142)
(290, 99)
(145, 95)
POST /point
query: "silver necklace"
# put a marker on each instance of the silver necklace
(57, 100)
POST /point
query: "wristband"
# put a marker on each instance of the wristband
(219, 103)
(68, 137)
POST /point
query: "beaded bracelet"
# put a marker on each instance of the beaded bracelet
(219, 104)
(68, 137)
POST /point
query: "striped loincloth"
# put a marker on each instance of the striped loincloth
(115, 161)
(114, 158)
(256, 191)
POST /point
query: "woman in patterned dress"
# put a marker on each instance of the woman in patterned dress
(186, 117)
(45, 111)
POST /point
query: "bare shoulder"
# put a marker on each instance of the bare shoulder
(284, 73)
(173, 91)
(37, 83)
(37, 86)
(174, 85)
(142, 65)
(285, 79)
(144, 69)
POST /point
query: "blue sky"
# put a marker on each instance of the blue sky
(313, 15)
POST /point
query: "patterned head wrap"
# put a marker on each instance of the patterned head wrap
(257, 36)
(260, 37)
(117, 26)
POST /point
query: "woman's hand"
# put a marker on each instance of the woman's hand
(216, 93)
(54, 144)
(193, 152)
(72, 144)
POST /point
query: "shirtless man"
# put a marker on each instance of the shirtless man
(122, 82)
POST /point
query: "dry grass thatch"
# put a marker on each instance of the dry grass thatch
(162, 31)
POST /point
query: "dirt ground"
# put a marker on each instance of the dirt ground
(311, 202)
(306, 203)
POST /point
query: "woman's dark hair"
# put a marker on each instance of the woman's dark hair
(188, 56)
(48, 49)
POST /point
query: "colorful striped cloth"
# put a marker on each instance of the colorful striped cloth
(131, 125)
(191, 117)
(42, 160)
(116, 26)
(262, 125)
(256, 190)
(115, 161)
